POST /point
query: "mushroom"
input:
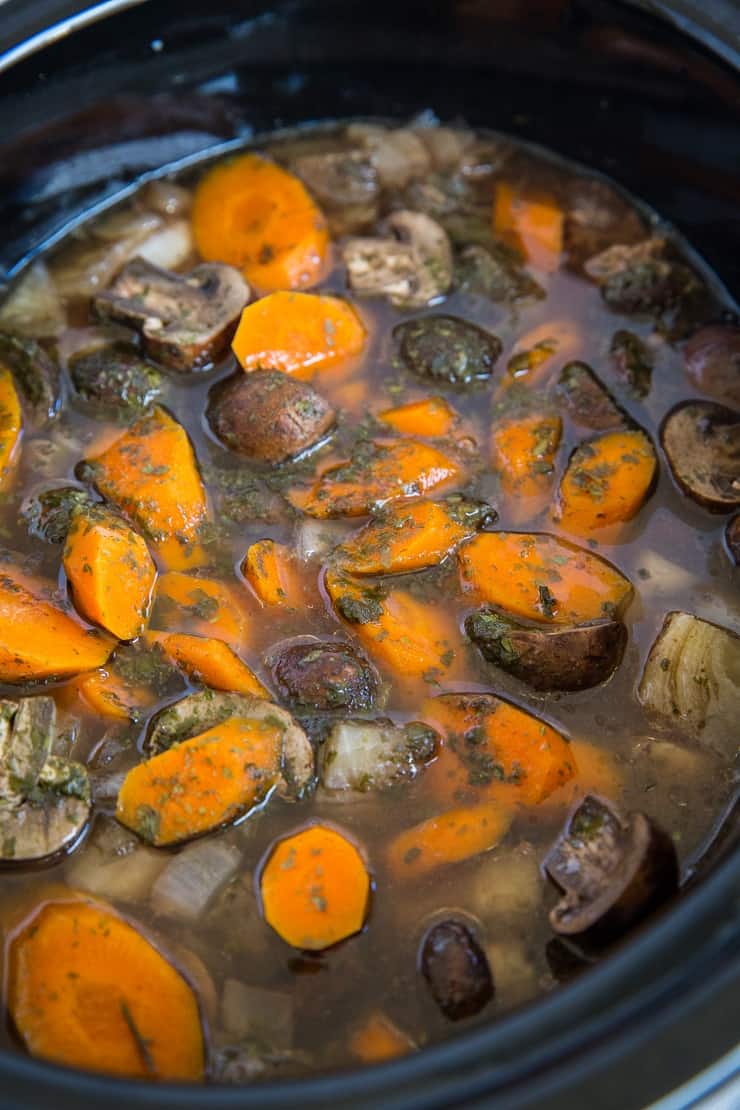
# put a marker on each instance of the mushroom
(48, 513)
(268, 416)
(204, 709)
(36, 374)
(494, 271)
(374, 755)
(44, 798)
(186, 320)
(447, 349)
(701, 440)
(115, 378)
(397, 154)
(550, 659)
(640, 277)
(456, 969)
(712, 360)
(346, 184)
(732, 539)
(326, 676)
(692, 678)
(597, 216)
(612, 871)
(632, 361)
(587, 400)
(412, 267)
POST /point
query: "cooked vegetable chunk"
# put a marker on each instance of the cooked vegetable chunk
(210, 661)
(331, 675)
(447, 839)
(541, 577)
(692, 677)
(586, 400)
(115, 379)
(346, 185)
(107, 694)
(270, 570)
(431, 418)
(378, 1039)
(198, 606)
(447, 349)
(315, 888)
(712, 359)
(613, 871)
(701, 441)
(36, 376)
(632, 362)
(10, 427)
(550, 659)
(456, 969)
(268, 416)
(374, 755)
(110, 571)
(112, 1004)
(150, 473)
(185, 320)
(302, 334)
(606, 482)
(642, 277)
(536, 225)
(48, 513)
(412, 267)
(258, 217)
(523, 450)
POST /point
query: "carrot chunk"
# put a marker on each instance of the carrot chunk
(606, 482)
(379, 472)
(110, 571)
(407, 535)
(523, 453)
(534, 225)
(302, 334)
(106, 694)
(597, 773)
(270, 570)
(86, 989)
(201, 783)
(211, 662)
(11, 422)
(536, 575)
(378, 1038)
(449, 838)
(151, 475)
(315, 888)
(38, 640)
(252, 214)
(198, 606)
(429, 418)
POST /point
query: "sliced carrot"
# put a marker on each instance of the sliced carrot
(494, 750)
(11, 423)
(151, 474)
(199, 606)
(379, 472)
(254, 215)
(539, 576)
(270, 569)
(606, 482)
(378, 1038)
(38, 640)
(315, 888)
(107, 694)
(211, 662)
(87, 990)
(110, 571)
(523, 453)
(449, 838)
(302, 334)
(534, 225)
(429, 418)
(407, 535)
(202, 783)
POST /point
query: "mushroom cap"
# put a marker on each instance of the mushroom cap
(701, 440)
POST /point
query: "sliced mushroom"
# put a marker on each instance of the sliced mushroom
(268, 416)
(447, 349)
(115, 378)
(692, 678)
(632, 362)
(613, 871)
(36, 375)
(456, 969)
(374, 755)
(494, 272)
(186, 320)
(712, 360)
(642, 278)
(397, 154)
(346, 184)
(48, 513)
(412, 269)
(587, 400)
(701, 440)
(205, 709)
(325, 676)
(550, 659)
(732, 539)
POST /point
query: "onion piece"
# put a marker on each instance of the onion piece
(33, 308)
(113, 864)
(166, 197)
(316, 539)
(170, 247)
(193, 877)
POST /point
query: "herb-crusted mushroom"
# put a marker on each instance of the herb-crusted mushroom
(701, 440)
(587, 400)
(613, 871)
(49, 512)
(186, 320)
(643, 278)
(115, 379)
(447, 349)
(325, 675)
(412, 267)
(632, 361)
(374, 755)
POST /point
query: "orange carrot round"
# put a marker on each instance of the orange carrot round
(10, 427)
(254, 215)
(209, 661)
(523, 453)
(429, 418)
(449, 838)
(315, 888)
(607, 480)
(408, 535)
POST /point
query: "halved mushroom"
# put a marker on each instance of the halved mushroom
(48, 513)
(732, 539)
(550, 659)
(494, 271)
(412, 267)
(632, 361)
(692, 678)
(447, 349)
(701, 440)
(642, 277)
(346, 184)
(325, 675)
(115, 378)
(36, 374)
(205, 709)
(587, 400)
(268, 416)
(613, 871)
(374, 755)
(712, 360)
(456, 968)
(44, 798)
(186, 320)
